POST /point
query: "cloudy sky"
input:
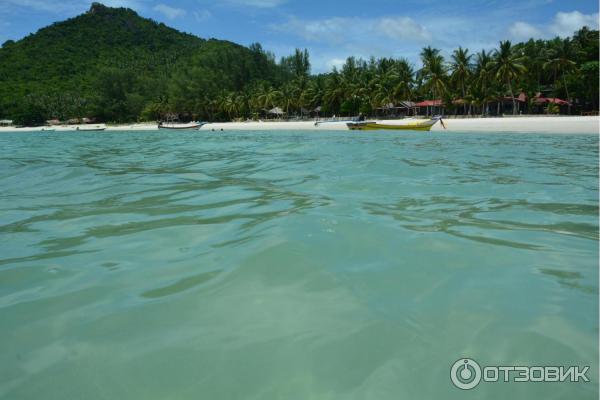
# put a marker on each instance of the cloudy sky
(333, 30)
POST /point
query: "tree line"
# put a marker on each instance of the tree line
(114, 66)
(481, 83)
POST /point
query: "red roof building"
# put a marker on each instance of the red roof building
(429, 103)
(555, 100)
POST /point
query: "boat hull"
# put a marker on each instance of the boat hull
(91, 128)
(424, 125)
(180, 127)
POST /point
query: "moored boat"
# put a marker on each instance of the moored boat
(91, 128)
(408, 124)
(318, 123)
(180, 126)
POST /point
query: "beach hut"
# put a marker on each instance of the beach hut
(408, 107)
(276, 111)
(553, 100)
(543, 102)
(507, 103)
(6, 122)
(53, 122)
(388, 109)
(403, 108)
(459, 107)
(430, 106)
(317, 110)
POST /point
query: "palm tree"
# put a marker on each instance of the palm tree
(334, 93)
(269, 97)
(561, 61)
(289, 96)
(461, 70)
(483, 78)
(434, 72)
(508, 66)
(242, 101)
(227, 103)
(383, 86)
(536, 56)
(428, 53)
(405, 79)
(313, 95)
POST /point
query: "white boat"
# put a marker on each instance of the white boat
(91, 128)
(341, 122)
(410, 124)
(180, 126)
(27, 129)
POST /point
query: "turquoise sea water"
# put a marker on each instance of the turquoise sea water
(282, 265)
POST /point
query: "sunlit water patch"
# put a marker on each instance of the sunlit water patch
(286, 265)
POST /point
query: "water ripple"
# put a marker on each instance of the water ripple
(262, 264)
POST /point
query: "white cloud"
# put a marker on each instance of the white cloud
(202, 15)
(524, 31)
(329, 30)
(169, 12)
(402, 28)
(335, 62)
(331, 40)
(344, 29)
(565, 23)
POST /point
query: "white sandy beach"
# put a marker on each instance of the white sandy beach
(539, 124)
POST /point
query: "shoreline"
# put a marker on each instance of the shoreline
(524, 124)
(564, 125)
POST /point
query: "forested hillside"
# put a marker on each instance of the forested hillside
(111, 64)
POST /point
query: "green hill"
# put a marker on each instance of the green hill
(112, 64)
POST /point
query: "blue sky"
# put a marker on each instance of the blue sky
(333, 30)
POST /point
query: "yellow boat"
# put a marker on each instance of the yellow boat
(409, 124)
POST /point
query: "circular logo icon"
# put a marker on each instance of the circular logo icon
(465, 373)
